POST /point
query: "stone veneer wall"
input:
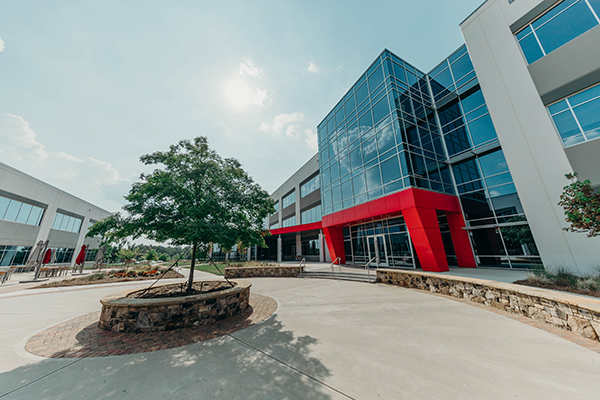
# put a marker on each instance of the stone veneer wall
(564, 310)
(128, 314)
(256, 272)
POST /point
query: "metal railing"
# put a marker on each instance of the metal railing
(367, 265)
(339, 260)
(302, 263)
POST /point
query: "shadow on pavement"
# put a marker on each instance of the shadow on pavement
(270, 363)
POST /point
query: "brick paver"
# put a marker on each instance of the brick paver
(80, 337)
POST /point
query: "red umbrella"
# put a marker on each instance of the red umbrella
(81, 257)
(47, 256)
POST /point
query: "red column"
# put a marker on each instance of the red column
(334, 237)
(425, 232)
(460, 239)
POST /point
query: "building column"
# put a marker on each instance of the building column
(460, 240)
(298, 244)
(321, 247)
(424, 229)
(249, 256)
(334, 237)
(279, 249)
(255, 252)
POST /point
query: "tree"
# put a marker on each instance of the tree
(163, 257)
(151, 255)
(196, 198)
(582, 206)
(128, 255)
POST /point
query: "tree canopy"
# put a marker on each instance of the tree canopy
(196, 198)
(582, 206)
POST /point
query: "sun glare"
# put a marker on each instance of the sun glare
(238, 93)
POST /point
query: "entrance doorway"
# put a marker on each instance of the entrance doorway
(377, 249)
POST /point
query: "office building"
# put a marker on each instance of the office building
(462, 165)
(32, 210)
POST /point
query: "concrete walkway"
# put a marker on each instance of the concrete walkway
(327, 340)
(493, 274)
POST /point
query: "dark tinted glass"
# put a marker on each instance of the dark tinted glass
(482, 130)
(390, 170)
(365, 122)
(462, 67)
(493, 163)
(380, 110)
(385, 139)
(375, 79)
(361, 94)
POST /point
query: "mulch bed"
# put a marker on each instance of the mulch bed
(85, 281)
(569, 289)
(179, 290)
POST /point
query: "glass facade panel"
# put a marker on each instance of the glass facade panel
(288, 200)
(559, 25)
(16, 211)
(291, 221)
(310, 186)
(311, 215)
(580, 121)
(67, 223)
(14, 255)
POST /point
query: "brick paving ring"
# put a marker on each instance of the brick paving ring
(81, 337)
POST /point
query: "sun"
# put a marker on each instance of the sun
(238, 93)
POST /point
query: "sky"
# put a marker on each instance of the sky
(87, 87)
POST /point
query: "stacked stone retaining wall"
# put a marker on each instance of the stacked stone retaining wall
(129, 314)
(266, 271)
(564, 310)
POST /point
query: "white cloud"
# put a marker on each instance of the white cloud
(261, 98)
(1, 45)
(312, 67)
(248, 67)
(284, 124)
(311, 139)
(94, 180)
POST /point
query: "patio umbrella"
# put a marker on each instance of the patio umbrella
(34, 256)
(81, 257)
(99, 256)
(47, 256)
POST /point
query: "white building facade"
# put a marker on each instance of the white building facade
(32, 210)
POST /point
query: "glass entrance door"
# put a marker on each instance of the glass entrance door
(378, 249)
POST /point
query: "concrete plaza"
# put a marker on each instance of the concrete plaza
(326, 340)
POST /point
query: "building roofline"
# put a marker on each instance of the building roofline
(39, 181)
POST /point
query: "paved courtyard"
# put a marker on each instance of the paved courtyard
(326, 340)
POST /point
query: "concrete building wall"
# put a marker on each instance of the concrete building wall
(20, 186)
(532, 147)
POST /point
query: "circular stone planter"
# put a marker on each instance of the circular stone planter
(129, 314)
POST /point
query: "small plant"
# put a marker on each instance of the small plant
(581, 205)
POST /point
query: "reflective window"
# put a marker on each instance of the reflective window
(577, 118)
(291, 221)
(311, 215)
(14, 255)
(310, 186)
(274, 226)
(67, 223)
(557, 26)
(289, 199)
(16, 211)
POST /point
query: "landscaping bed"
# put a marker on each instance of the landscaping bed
(112, 277)
(179, 290)
(564, 280)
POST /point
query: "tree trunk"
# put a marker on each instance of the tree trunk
(192, 267)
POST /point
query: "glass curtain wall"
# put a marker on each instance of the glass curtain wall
(494, 216)
(380, 138)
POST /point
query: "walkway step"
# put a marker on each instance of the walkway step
(345, 276)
